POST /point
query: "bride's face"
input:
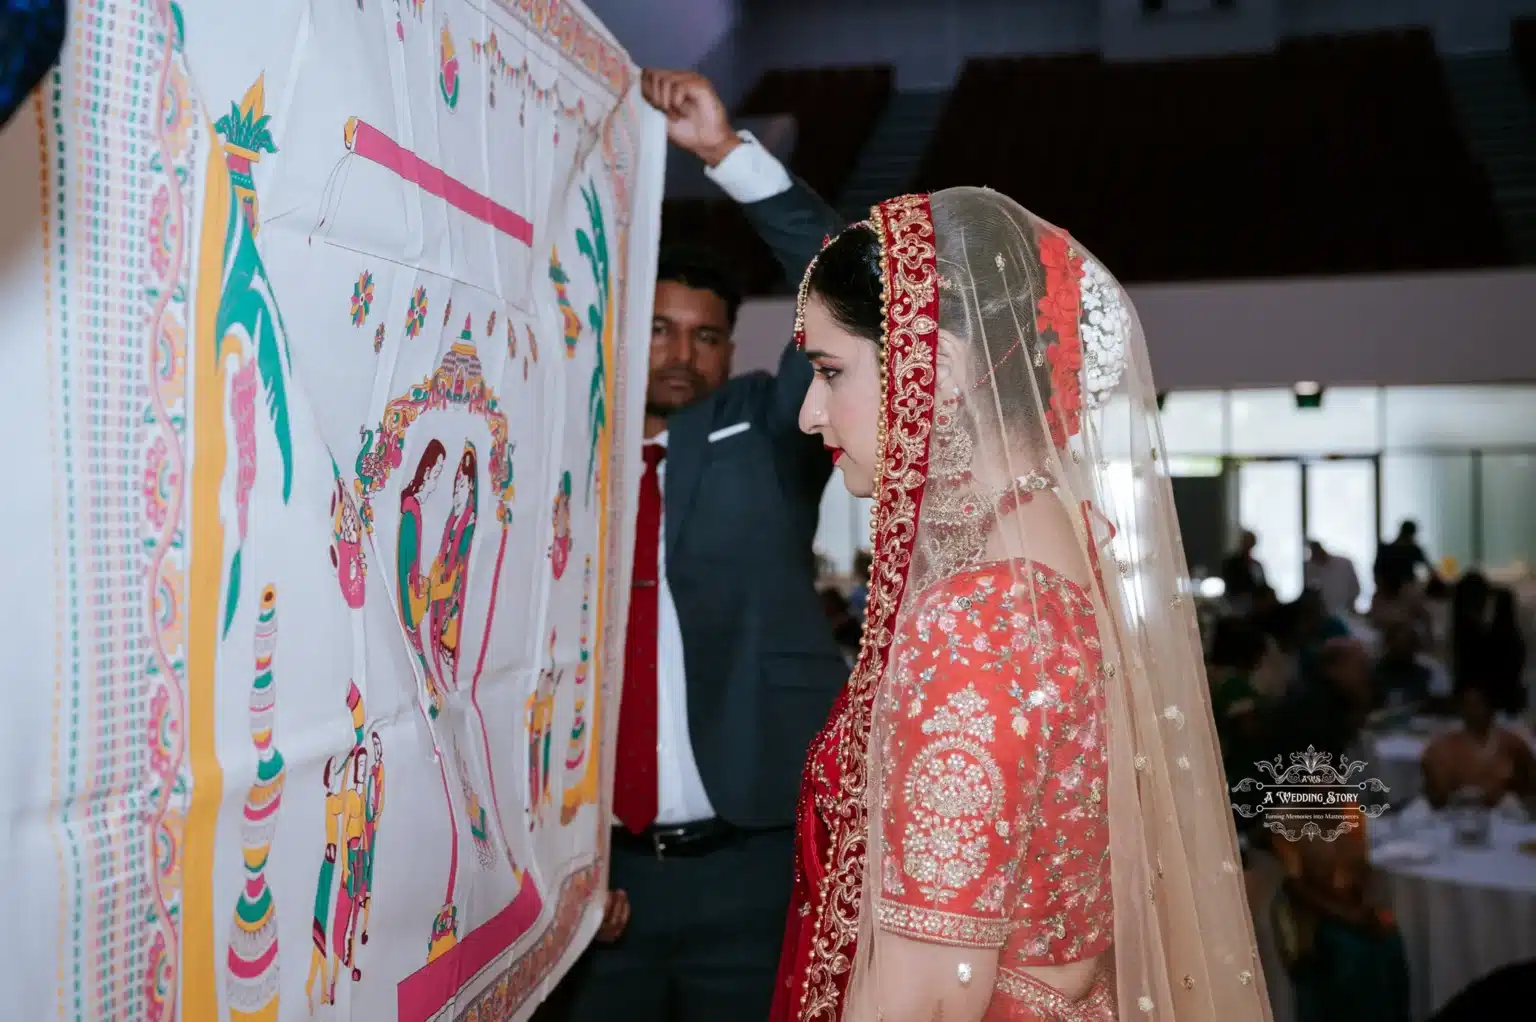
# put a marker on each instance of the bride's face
(843, 404)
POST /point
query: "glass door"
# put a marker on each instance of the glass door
(1340, 513)
(1269, 504)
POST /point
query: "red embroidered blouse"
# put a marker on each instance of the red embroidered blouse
(994, 774)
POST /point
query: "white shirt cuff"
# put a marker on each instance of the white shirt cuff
(749, 173)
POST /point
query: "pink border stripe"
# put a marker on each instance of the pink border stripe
(372, 144)
(424, 992)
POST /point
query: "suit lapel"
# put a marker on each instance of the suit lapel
(687, 449)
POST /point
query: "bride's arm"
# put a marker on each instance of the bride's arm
(952, 769)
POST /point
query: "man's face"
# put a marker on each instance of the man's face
(690, 346)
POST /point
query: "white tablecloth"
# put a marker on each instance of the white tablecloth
(1395, 761)
(1465, 913)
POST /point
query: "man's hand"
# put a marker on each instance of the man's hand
(696, 117)
(615, 917)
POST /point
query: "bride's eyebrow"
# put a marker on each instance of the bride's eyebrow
(819, 356)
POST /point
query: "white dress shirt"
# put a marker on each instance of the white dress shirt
(749, 174)
(1335, 580)
(680, 794)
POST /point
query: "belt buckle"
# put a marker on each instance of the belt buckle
(659, 844)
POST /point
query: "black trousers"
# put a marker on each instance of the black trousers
(702, 943)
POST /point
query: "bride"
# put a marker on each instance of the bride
(1016, 810)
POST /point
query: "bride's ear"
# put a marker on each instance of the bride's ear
(953, 370)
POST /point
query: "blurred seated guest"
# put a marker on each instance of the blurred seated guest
(860, 594)
(1266, 611)
(1504, 654)
(1326, 709)
(1480, 755)
(1276, 670)
(1241, 573)
(846, 629)
(1398, 602)
(1314, 625)
(1237, 649)
(1404, 675)
(1338, 938)
(1333, 577)
(1398, 562)
(1471, 619)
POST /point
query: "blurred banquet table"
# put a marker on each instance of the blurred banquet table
(1463, 912)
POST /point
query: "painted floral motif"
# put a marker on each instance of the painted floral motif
(560, 549)
(416, 313)
(490, 323)
(171, 360)
(570, 323)
(162, 732)
(362, 298)
(448, 73)
(448, 311)
(161, 482)
(176, 111)
(378, 339)
(164, 231)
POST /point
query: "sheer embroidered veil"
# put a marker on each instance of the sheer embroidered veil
(1019, 428)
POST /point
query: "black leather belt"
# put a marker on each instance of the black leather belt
(682, 840)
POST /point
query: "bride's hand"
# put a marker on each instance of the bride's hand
(615, 917)
(696, 116)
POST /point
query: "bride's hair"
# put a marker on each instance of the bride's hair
(846, 279)
(988, 301)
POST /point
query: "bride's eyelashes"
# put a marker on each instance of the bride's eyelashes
(827, 373)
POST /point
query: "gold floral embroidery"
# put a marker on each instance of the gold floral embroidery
(904, 227)
(953, 792)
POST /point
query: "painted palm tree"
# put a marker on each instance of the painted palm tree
(594, 248)
(248, 328)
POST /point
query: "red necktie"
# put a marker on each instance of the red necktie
(634, 797)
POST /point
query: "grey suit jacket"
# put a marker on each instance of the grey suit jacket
(740, 514)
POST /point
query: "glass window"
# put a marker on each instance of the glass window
(1195, 422)
(1434, 490)
(1119, 428)
(1195, 467)
(1269, 505)
(1267, 422)
(1508, 499)
(1341, 515)
(1488, 416)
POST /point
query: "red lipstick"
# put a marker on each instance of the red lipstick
(837, 453)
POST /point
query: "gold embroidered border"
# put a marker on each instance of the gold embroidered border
(1051, 1005)
(933, 926)
(908, 360)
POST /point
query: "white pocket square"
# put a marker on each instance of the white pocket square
(725, 431)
